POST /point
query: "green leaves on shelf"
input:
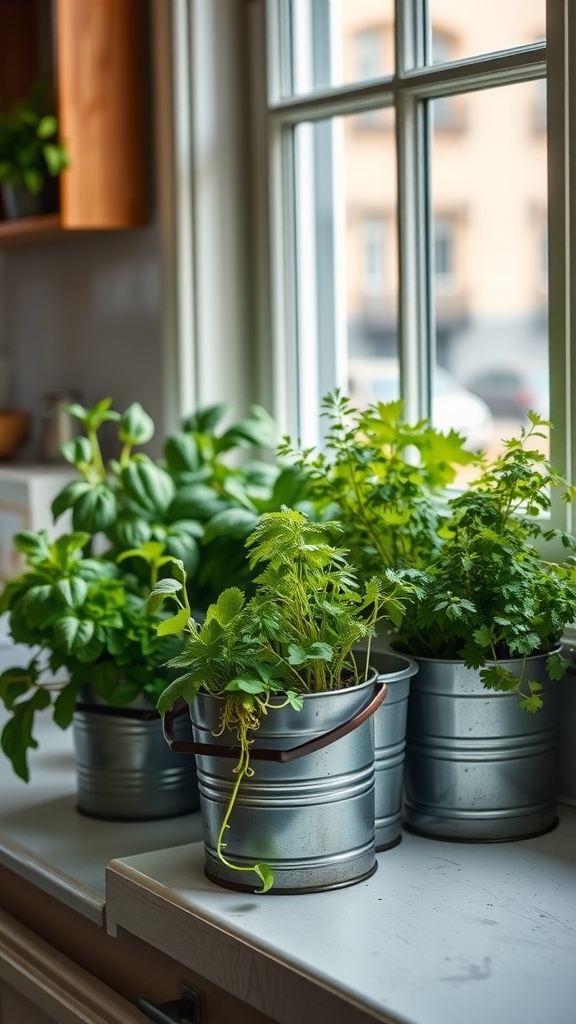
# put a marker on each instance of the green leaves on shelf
(30, 150)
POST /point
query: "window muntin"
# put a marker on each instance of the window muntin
(336, 42)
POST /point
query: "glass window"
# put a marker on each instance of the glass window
(368, 53)
(445, 252)
(490, 332)
(336, 42)
(415, 254)
(345, 261)
(373, 256)
(447, 111)
(486, 26)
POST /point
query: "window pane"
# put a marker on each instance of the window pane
(334, 43)
(346, 262)
(466, 29)
(490, 265)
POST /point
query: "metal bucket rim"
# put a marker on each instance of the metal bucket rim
(370, 679)
(300, 750)
(489, 661)
(411, 666)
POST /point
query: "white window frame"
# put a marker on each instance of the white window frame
(409, 85)
(220, 49)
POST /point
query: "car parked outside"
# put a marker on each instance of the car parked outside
(510, 392)
(453, 406)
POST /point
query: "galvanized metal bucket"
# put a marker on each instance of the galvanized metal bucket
(124, 769)
(478, 767)
(390, 743)
(308, 810)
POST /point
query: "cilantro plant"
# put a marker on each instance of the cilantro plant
(84, 615)
(295, 635)
(488, 594)
(384, 479)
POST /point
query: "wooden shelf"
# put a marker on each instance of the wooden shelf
(95, 53)
(18, 232)
(46, 228)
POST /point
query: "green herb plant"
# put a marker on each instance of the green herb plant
(200, 500)
(488, 594)
(126, 500)
(30, 150)
(295, 635)
(81, 603)
(226, 479)
(84, 615)
(385, 479)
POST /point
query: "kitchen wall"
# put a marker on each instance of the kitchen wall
(84, 313)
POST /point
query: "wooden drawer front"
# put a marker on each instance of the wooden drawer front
(38, 985)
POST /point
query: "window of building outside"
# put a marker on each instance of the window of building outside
(372, 50)
(444, 252)
(460, 325)
(373, 255)
(443, 49)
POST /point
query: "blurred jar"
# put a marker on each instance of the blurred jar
(56, 424)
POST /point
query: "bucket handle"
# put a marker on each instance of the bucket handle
(267, 754)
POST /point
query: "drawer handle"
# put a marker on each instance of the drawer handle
(185, 1010)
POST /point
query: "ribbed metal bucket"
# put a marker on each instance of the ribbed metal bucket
(124, 769)
(477, 766)
(312, 819)
(390, 743)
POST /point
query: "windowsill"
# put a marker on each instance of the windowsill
(441, 933)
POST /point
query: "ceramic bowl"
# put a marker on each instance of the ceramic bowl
(14, 429)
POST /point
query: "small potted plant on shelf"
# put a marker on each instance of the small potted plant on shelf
(264, 674)
(31, 155)
(81, 602)
(484, 623)
(385, 480)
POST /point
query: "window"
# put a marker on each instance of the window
(368, 51)
(371, 47)
(458, 267)
(444, 252)
(446, 113)
(373, 255)
(461, 201)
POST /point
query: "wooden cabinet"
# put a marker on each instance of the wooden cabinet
(57, 967)
(40, 985)
(95, 53)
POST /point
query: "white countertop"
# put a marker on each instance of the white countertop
(443, 933)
